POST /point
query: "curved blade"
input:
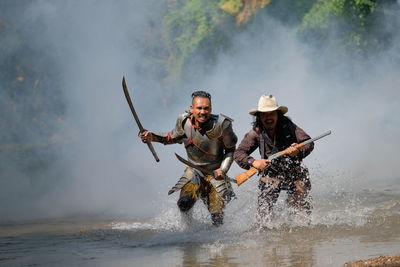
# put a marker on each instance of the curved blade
(194, 166)
(128, 99)
(203, 170)
(139, 124)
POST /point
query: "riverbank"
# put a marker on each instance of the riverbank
(387, 261)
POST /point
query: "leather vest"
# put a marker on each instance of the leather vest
(284, 138)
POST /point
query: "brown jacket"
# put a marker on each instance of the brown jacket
(287, 133)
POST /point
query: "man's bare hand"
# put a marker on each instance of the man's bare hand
(146, 136)
(261, 164)
(219, 174)
(292, 150)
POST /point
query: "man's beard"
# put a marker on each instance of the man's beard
(269, 125)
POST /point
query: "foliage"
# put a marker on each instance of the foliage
(287, 12)
(199, 27)
(30, 98)
(231, 6)
(243, 9)
(196, 27)
(186, 25)
(351, 20)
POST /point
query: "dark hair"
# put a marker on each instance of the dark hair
(201, 94)
(257, 123)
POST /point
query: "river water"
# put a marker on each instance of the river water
(344, 226)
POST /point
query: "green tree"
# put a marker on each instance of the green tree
(352, 22)
(187, 24)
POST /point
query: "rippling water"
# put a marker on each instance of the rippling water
(344, 226)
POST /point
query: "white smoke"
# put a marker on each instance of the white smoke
(105, 169)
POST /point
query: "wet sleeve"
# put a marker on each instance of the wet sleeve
(302, 136)
(247, 146)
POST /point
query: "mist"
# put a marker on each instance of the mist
(99, 167)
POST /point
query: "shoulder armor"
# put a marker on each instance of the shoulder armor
(180, 123)
(221, 122)
(225, 117)
(183, 116)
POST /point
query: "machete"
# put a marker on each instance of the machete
(203, 170)
(139, 124)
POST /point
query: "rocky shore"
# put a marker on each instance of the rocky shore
(387, 261)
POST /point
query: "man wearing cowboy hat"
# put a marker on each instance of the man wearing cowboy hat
(210, 142)
(272, 132)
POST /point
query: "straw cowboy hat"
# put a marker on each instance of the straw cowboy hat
(268, 103)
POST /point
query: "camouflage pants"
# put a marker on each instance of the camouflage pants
(205, 191)
(215, 194)
(297, 189)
